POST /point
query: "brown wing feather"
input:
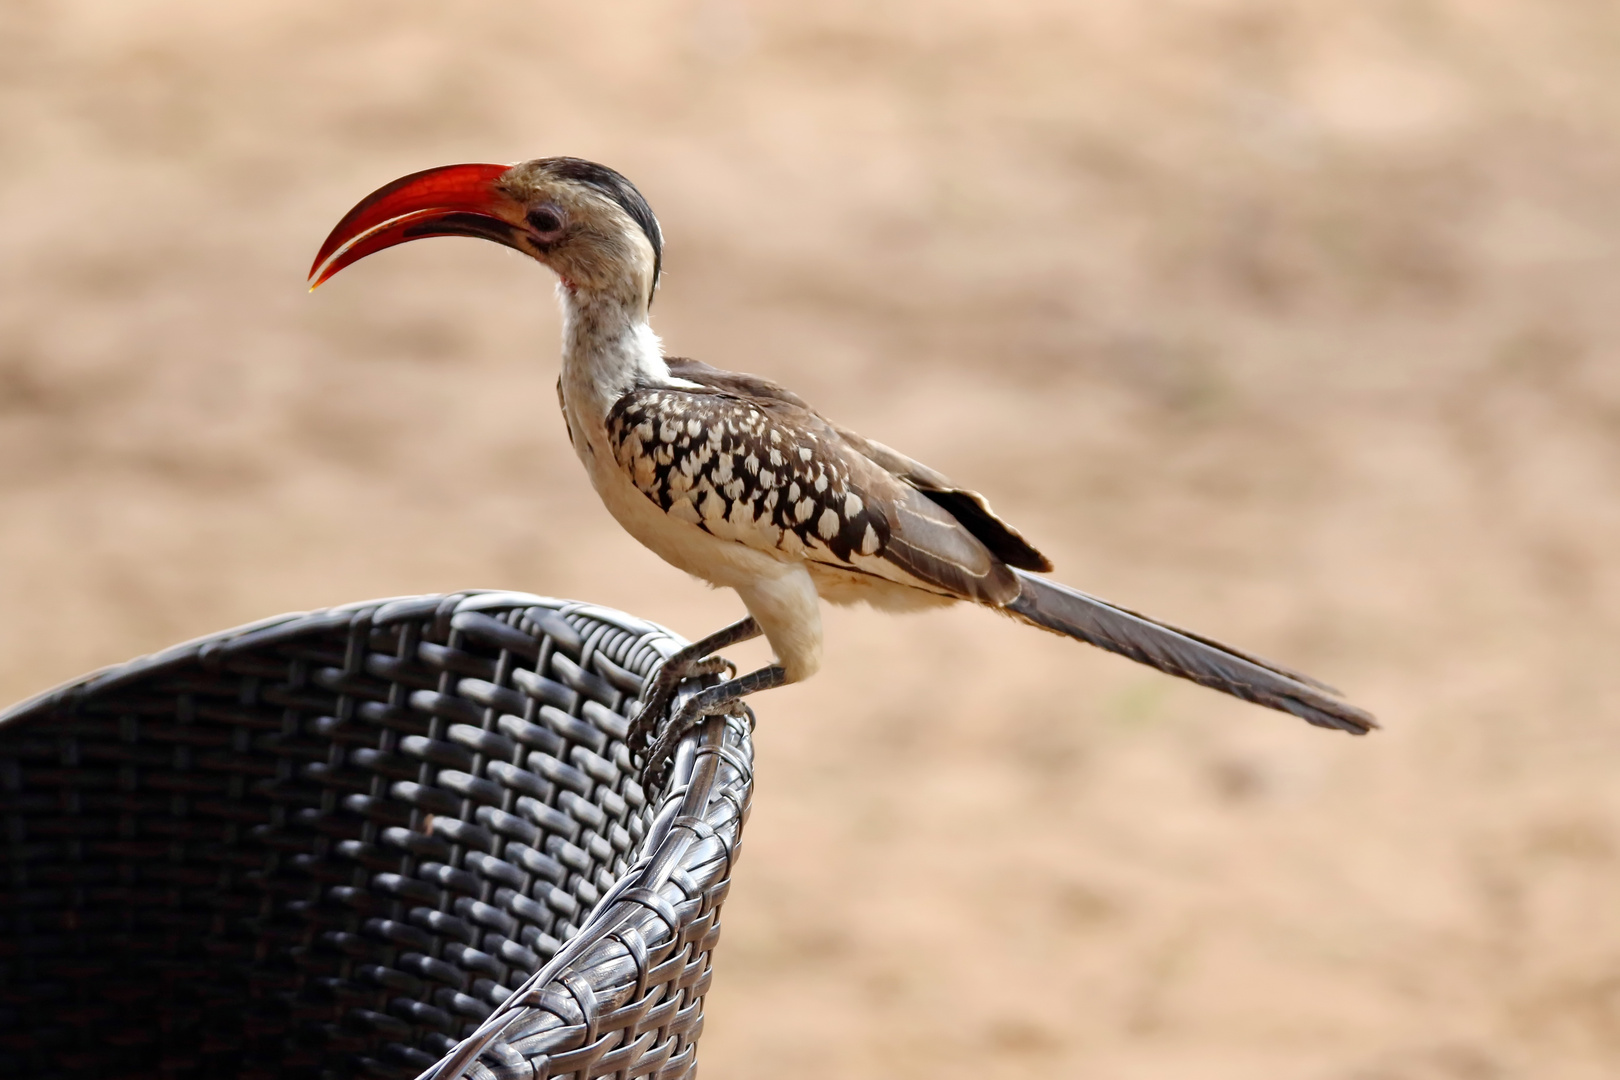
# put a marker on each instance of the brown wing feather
(929, 544)
(735, 382)
(763, 469)
(968, 508)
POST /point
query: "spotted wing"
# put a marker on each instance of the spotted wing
(768, 472)
(968, 508)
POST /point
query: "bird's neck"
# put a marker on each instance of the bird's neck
(608, 348)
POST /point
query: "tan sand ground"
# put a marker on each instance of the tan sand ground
(1293, 322)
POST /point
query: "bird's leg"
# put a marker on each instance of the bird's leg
(695, 659)
(716, 699)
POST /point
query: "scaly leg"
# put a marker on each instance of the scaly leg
(716, 699)
(785, 608)
(695, 659)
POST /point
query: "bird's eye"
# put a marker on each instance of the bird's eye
(545, 219)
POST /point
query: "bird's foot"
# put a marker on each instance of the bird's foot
(694, 660)
(657, 758)
(714, 701)
(671, 674)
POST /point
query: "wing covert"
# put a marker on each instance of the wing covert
(761, 473)
(766, 471)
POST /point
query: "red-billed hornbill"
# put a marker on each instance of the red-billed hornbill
(738, 481)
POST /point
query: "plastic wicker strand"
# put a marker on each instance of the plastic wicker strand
(349, 842)
(684, 795)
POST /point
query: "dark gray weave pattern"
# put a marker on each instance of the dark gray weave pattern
(335, 844)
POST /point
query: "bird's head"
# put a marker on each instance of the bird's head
(585, 221)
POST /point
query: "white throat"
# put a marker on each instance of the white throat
(608, 349)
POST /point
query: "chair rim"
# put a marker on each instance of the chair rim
(269, 630)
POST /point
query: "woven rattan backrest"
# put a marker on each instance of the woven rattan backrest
(335, 844)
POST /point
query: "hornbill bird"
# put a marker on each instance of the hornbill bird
(738, 481)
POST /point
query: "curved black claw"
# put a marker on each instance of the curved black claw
(656, 761)
(674, 671)
(716, 699)
(695, 659)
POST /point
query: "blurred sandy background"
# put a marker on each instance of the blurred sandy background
(1291, 322)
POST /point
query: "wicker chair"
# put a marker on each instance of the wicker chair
(335, 844)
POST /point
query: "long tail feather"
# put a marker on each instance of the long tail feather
(1191, 656)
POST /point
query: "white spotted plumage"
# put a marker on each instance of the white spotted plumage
(784, 499)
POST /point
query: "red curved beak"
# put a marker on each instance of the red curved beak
(452, 200)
